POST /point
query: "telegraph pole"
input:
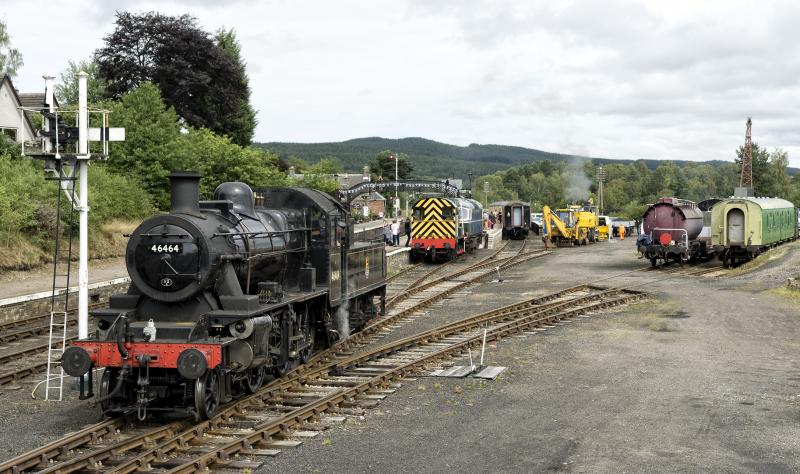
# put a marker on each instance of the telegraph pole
(601, 176)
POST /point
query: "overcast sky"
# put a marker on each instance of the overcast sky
(621, 79)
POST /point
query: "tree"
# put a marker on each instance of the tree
(67, 89)
(383, 166)
(150, 150)
(218, 160)
(204, 84)
(10, 58)
(243, 121)
(321, 176)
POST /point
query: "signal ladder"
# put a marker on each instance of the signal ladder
(66, 176)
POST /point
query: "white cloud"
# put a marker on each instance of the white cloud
(624, 79)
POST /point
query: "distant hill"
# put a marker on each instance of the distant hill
(433, 159)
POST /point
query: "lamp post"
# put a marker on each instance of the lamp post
(601, 176)
(486, 192)
(396, 178)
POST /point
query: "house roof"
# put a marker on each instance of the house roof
(34, 100)
(6, 82)
(372, 196)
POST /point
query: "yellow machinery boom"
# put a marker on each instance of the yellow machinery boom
(580, 230)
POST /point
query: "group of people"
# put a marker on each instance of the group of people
(391, 231)
(490, 219)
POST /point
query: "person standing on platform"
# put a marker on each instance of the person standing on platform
(408, 230)
(395, 233)
(387, 234)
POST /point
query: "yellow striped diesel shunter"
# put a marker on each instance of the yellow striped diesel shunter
(443, 228)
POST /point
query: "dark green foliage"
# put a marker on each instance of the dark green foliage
(155, 146)
(220, 160)
(114, 196)
(205, 84)
(628, 186)
(382, 167)
(150, 150)
(242, 122)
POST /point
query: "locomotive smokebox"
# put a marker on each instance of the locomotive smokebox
(185, 189)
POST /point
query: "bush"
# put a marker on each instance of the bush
(220, 160)
(113, 196)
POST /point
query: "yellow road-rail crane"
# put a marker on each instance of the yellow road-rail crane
(574, 225)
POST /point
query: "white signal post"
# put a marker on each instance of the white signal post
(83, 173)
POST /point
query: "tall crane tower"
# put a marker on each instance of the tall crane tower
(746, 177)
(745, 188)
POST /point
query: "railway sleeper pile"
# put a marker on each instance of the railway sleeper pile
(305, 401)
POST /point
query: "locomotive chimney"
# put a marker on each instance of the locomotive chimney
(185, 189)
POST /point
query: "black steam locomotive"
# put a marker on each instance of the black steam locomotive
(225, 292)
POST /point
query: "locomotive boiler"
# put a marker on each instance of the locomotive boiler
(224, 293)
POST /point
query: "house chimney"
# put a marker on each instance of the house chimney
(49, 100)
(366, 173)
(185, 190)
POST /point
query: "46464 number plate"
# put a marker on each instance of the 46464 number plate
(166, 248)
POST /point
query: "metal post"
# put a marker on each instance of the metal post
(83, 172)
(396, 177)
(483, 347)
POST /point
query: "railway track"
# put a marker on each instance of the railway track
(304, 402)
(17, 365)
(688, 270)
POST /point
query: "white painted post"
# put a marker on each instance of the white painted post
(83, 171)
(483, 347)
(47, 147)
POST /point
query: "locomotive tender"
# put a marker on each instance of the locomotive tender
(224, 292)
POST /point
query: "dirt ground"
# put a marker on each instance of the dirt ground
(702, 377)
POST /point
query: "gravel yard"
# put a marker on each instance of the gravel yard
(701, 377)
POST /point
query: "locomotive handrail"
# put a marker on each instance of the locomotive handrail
(267, 233)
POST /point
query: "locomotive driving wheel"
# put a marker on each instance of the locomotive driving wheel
(254, 380)
(107, 383)
(206, 394)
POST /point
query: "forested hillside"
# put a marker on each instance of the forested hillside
(432, 159)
